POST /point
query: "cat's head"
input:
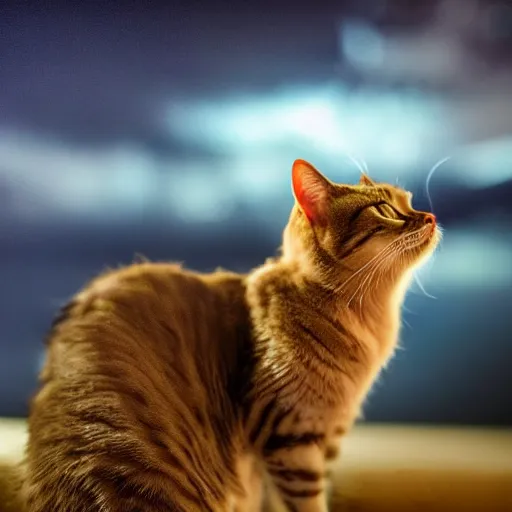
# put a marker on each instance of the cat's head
(372, 229)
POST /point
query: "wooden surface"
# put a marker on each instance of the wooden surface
(426, 469)
(386, 468)
(12, 440)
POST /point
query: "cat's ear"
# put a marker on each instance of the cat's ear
(312, 191)
(366, 180)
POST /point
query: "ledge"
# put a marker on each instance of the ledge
(384, 469)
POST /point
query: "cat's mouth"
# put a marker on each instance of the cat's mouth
(423, 236)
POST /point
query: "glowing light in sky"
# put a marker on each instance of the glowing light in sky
(386, 129)
(255, 138)
(485, 164)
(50, 176)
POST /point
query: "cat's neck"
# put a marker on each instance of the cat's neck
(375, 308)
(291, 312)
(350, 288)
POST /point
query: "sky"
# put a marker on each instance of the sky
(170, 131)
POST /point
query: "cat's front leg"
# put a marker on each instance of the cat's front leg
(296, 464)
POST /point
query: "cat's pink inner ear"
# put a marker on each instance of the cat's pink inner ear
(311, 190)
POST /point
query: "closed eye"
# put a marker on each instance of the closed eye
(387, 211)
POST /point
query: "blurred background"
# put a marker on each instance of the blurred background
(169, 130)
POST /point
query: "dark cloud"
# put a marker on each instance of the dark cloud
(102, 73)
(99, 72)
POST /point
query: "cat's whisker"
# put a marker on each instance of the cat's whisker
(422, 288)
(429, 177)
(368, 281)
(390, 247)
(378, 279)
(361, 284)
(410, 311)
(396, 249)
(404, 321)
(356, 162)
(368, 267)
(372, 271)
(367, 264)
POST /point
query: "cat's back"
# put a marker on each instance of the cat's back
(152, 319)
(142, 303)
(140, 358)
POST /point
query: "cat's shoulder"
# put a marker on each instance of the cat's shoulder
(151, 286)
(128, 284)
(139, 278)
(158, 279)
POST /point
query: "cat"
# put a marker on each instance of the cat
(170, 390)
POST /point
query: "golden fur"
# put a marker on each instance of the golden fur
(170, 390)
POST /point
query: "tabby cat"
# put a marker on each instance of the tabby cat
(170, 390)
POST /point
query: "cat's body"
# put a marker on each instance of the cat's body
(168, 390)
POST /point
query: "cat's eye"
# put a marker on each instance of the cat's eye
(387, 211)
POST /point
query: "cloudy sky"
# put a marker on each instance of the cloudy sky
(171, 131)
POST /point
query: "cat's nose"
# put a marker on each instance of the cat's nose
(430, 218)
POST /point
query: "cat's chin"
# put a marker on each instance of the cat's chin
(426, 248)
(433, 238)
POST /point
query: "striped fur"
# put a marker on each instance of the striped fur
(169, 390)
